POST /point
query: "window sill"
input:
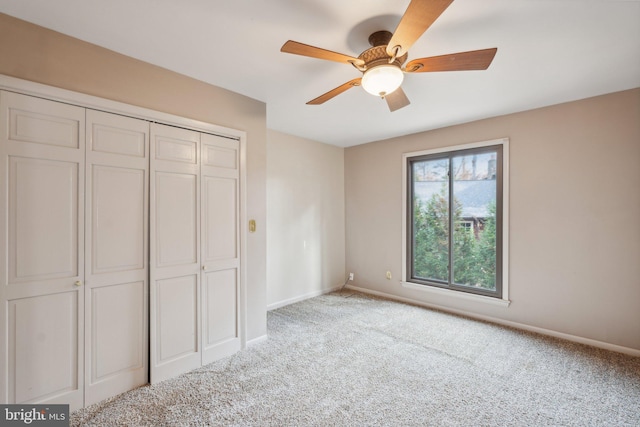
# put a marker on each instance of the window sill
(457, 294)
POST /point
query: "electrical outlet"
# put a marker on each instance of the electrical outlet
(388, 275)
(350, 276)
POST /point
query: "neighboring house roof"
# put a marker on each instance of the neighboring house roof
(475, 196)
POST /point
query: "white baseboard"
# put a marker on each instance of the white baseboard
(303, 297)
(542, 331)
(257, 340)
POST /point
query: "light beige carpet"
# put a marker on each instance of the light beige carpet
(363, 361)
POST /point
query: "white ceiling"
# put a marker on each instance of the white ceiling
(549, 51)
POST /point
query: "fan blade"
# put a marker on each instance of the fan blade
(462, 61)
(397, 99)
(335, 92)
(316, 52)
(419, 16)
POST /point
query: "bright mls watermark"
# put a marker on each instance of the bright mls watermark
(34, 415)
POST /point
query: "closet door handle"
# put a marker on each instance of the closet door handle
(204, 267)
(78, 283)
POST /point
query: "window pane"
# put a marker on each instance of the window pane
(431, 219)
(474, 218)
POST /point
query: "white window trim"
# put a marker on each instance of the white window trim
(504, 301)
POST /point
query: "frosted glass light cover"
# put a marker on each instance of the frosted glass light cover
(382, 80)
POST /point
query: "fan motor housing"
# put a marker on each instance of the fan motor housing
(377, 55)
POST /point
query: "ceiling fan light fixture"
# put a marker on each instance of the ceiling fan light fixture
(382, 80)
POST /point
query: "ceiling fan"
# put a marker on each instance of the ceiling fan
(382, 64)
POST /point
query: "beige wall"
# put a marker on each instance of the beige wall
(33, 53)
(305, 218)
(575, 216)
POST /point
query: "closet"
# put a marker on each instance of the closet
(120, 251)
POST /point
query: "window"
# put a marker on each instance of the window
(454, 219)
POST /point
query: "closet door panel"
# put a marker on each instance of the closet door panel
(177, 311)
(175, 252)
(117, 219)
(43, 332)
(221, 153)
(43, 232)
(115, 340)
(176, 216)
(39, 121)
(220, 246)
(221, 221)
(172, 148)
(42, 256)
(111, 136)
(116, 304)
(220, 315)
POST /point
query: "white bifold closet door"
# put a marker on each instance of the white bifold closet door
(41, 251)
(116, 284)
(174, 251)
(194, 249)
(220, 173)
(73, 258)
